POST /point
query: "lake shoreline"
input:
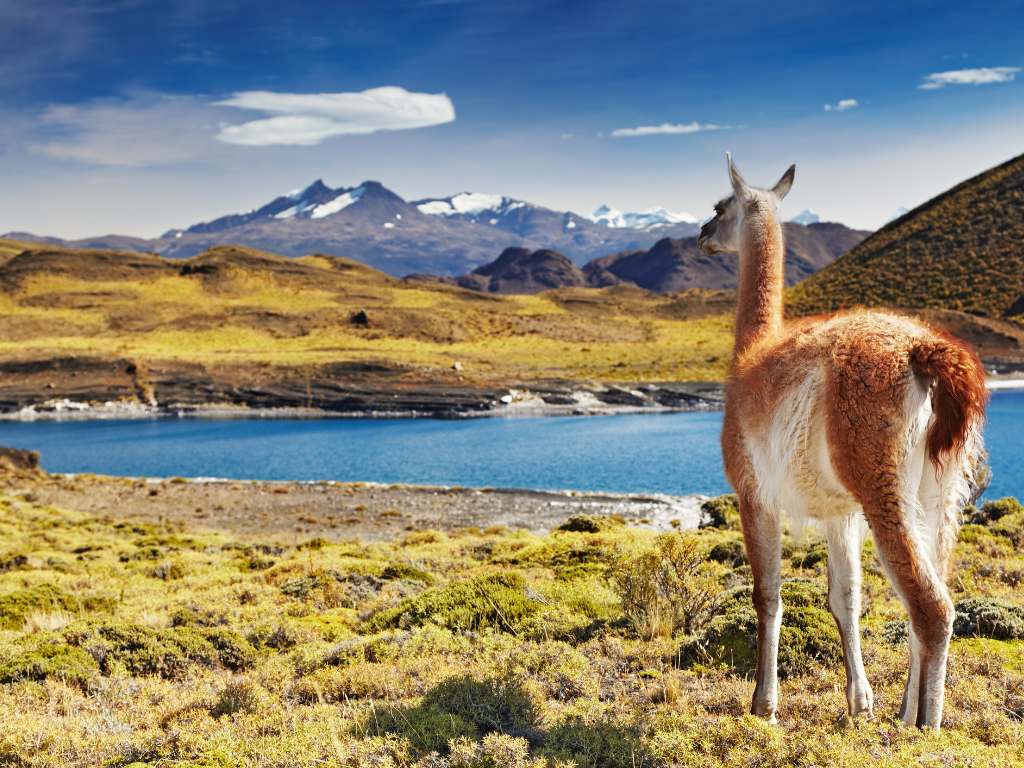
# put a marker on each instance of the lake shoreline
(548, 399)
(589, 400)
(296, 510)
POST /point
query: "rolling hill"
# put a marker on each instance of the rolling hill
(237, 325)
(962, 250)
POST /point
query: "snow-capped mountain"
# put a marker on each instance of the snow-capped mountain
(806, 216)
(507, 213)
(649, 219)
(440, 235)
(317, 201)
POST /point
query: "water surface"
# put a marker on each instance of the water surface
(660, 453)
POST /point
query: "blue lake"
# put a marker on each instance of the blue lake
(664, 453)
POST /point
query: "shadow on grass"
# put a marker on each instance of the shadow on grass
(464, 707)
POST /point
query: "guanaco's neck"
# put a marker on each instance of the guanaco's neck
(759, 300)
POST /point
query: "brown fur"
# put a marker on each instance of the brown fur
(959, 396)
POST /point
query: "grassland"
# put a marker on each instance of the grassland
(238, 306)
(125, 643)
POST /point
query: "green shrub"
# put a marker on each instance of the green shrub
(495, 750)
(669, 587)
(595, 745)
(396, 571)
(721, 512)
(730, 552)
(16, 606)
(591, 523)
(498, 601)
(233, 651)
(239, 696)
(1010, 527)
(896, 632)
(48, 657)
(981, 617)
(811, 556)
(462, 706)
(999, 508)
(167, 653)
(558, 669)
(808, 636)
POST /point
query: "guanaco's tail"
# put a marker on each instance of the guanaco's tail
(959, 396)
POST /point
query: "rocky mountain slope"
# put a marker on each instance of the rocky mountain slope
(962, 250)
(669, 266)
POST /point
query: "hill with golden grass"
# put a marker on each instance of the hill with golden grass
(962, 250)
(92, 325)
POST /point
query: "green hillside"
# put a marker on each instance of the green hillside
(962, 250)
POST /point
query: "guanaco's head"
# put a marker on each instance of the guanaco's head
(723, 233)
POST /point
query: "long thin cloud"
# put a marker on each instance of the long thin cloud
(979, 76)
(667, 129)
(307, 119)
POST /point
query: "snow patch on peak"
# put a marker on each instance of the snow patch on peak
(475, 202)
(468, 204)
(436, 208)
(339, 203)
(649, 219)
(806, 217)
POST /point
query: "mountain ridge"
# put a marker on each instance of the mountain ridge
(371, 223)
(669, 266)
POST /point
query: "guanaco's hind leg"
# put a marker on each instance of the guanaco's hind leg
(941, 493)
(845, 538)
(920, 585)
(762, 537)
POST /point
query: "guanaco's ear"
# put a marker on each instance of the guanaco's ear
(782, 187)
(739, 184)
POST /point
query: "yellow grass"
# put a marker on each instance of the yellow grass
(270, 314)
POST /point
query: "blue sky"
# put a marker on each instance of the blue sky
(135, 116)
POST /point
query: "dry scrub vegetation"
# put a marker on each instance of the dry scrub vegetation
(598, 644)
(237, 306)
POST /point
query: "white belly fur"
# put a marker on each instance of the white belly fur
(791, 459)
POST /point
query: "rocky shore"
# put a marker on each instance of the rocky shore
(82, 387)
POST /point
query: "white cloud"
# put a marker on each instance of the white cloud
(842, 105)
(979, 76)
(307, 119)
(144, 129)
(666, 129)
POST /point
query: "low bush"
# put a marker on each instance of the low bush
(981, 617)
(498, 602)
(238, 696)
(721, 512)
(48, 657)
(809, 635)
(16, 606)
(464, 707)
(167, 653)
(591, 523)
(672, 586)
